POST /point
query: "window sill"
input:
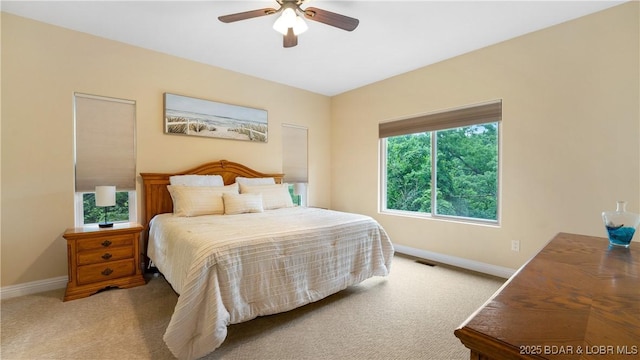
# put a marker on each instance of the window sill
(451, 219)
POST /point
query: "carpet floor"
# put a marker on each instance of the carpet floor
(411, 314)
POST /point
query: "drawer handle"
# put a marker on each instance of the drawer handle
(107, 256)
(107, 272)
(106, 243)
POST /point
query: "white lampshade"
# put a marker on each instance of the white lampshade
(105, 195)
(289, 19)
(300, 26)
(299, 188)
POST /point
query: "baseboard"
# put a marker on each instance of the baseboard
(11, 291)
(60, 282)
(484, 268)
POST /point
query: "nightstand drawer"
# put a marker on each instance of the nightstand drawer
(99, 272)
(104, 242)
(101, 256)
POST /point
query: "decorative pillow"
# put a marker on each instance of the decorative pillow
(242, 203)
(273, 196)
(255, 181)
(199, 200)
(196, 180)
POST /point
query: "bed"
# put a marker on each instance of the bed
(232, 267)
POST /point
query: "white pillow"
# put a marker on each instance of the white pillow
(255, 181)
(199, 200)
(196, 180)
(273, 196)
(242, 203)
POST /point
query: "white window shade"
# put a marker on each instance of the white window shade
(294, 154)
(105, 143)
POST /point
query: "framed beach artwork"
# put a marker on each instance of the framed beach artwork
(197, 117)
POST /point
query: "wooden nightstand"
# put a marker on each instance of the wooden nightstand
(102, 257)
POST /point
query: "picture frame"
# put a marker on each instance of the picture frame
(190, 116)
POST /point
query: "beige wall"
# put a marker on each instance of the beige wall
(570, 135)
(571, 114)
(43, 65)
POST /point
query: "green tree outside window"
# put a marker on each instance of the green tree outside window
(94, 214)
(466, 172)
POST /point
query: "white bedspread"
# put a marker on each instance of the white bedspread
(232, 268)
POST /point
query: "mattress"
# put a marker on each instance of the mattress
(229, 269)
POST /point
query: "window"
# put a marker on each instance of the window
(104, 155)
(443, 164)
(89, 213)
(294, 161)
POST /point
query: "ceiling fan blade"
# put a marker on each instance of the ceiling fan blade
(246, 15)
(331, 18)
(290, 40)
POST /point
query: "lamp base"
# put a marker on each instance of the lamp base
(105, 225)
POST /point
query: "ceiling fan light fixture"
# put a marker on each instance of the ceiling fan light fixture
(300, 26)
(291, 22)
(289, 19)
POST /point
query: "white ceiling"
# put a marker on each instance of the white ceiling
(393, 36)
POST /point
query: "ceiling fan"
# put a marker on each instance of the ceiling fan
(290, 24)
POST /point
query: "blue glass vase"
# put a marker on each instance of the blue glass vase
(621, 225)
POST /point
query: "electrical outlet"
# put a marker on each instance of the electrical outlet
(515, 245)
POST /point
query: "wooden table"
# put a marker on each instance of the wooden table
(576, 299)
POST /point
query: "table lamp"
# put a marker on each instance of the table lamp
(105, 197)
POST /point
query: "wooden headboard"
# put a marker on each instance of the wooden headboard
(157, 199)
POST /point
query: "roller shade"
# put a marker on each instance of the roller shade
(294, 154)
(105, 143)
(466, 116)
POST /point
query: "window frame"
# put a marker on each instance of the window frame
(383, 209)
(128, 186)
